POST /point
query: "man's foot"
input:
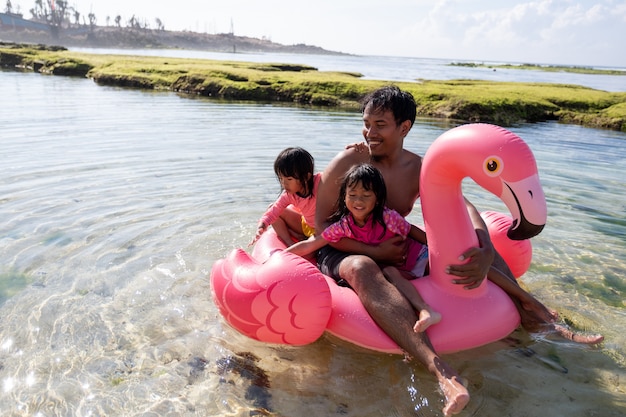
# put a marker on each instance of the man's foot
(566, 333)
(456, 395)
(538, 318)
(426, 319)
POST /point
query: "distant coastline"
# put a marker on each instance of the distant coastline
(538, 67)
(14, 28)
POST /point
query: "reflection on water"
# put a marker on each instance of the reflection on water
(116, 203)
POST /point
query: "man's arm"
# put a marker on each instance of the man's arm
(480, 258)
(391, 251)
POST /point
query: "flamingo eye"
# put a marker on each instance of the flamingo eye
(493, 166)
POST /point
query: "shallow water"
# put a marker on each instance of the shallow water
(115, 204)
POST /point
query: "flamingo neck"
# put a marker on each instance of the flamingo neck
(447, 224)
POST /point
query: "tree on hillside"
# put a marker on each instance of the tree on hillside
(8, 9)
(58, 12)
(53, 12)
(38, 11)
(92, 21)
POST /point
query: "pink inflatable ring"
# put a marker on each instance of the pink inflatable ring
(277, 297)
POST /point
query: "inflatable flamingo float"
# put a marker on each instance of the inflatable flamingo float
(278, 297)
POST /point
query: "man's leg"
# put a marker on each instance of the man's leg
(535, 316)
(396, 316)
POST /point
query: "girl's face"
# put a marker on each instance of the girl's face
(360, 202)
(291, 185)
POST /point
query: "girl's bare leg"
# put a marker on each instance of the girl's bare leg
(288, 227)
(282, 231)
(293, 223)
(426, 315)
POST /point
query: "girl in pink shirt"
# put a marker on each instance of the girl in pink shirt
(292, 215)
(361, 215)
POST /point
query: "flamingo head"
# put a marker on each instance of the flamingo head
(502, 163)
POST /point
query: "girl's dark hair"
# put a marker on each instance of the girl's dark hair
(401, 103)
(372, 180)
(296, 163)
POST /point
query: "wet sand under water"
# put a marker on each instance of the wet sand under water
(516, 377)
(513, 384)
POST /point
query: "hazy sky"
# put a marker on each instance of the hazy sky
(574, 32)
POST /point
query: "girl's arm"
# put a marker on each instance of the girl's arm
(396, 223)
(274, 210)
(360, 147)
(390, 251)
(418, 234)
(272, 213)
(306, 247)
(260, 229)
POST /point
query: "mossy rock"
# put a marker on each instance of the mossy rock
(69, 68)
(11, 59)
(125, 81)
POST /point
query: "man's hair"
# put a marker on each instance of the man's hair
(400, 103)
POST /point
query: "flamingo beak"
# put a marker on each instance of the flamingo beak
(527, 203)
(521, 230)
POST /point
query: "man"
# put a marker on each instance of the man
(388, 115)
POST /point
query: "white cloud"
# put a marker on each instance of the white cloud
(546, 31)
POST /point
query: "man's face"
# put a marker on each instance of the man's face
(381, 132)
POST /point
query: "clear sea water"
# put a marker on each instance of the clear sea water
(115, 203)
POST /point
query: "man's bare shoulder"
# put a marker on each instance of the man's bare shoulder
(411, 161)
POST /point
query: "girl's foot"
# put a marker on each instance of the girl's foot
(426, 319)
